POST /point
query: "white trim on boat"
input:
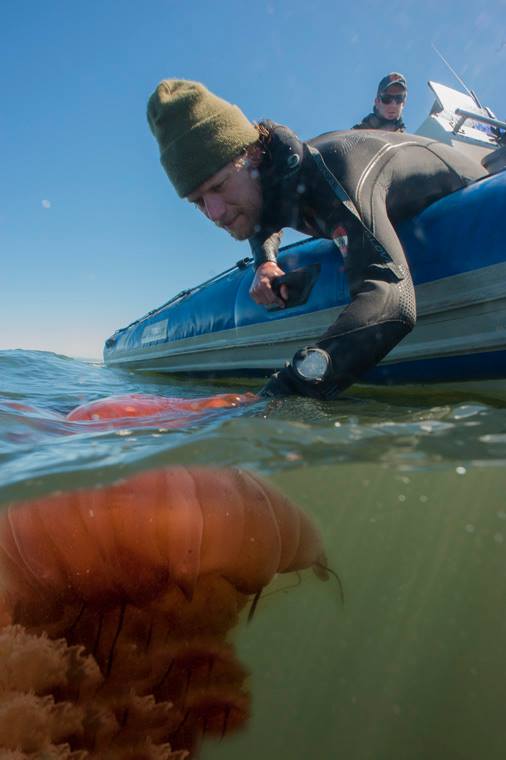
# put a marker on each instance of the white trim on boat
(461, 314)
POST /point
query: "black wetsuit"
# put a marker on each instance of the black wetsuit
(388, 177)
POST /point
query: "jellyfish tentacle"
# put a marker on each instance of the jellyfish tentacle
(254, 603)
(148, 575)
(110, 656)
(98, 635)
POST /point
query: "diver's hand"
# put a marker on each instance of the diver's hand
(261, 288)
(279, 384)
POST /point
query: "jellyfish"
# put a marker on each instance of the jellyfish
(132, 410)
(136, 587)
(139, 405)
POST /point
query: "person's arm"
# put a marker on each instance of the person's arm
(381, 313)
(265, 251)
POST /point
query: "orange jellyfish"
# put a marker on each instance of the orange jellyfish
(139, 405)
(137, 586)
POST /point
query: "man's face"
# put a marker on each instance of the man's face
(391, 110)
(232, 198)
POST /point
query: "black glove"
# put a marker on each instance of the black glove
(309, 374)
(279, 384)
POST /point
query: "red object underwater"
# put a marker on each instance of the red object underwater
(131, 410)
(140, 405)
(116, 603)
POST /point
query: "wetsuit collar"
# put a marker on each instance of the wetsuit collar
(280, 177)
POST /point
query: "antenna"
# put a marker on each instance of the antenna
(461, 81)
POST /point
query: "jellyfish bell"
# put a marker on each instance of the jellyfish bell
(148, 576)
(132, 410)
(170, 526)
(121, 407)
(139, 405)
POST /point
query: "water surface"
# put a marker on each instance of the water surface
(408, 489)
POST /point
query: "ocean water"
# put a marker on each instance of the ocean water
(407, 489)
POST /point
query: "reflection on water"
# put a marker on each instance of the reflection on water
(116, 605)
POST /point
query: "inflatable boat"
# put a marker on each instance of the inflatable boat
(457, 253)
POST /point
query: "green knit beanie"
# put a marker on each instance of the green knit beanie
(198, 132)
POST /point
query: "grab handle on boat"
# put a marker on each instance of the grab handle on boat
(299, 282)
(464, 115)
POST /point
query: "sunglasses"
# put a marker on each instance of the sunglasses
(386, 99)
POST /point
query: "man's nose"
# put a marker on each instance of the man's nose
(215, 207)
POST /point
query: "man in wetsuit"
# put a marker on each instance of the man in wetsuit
(351, 187)
(388, 105)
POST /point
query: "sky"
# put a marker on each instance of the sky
(92, 235)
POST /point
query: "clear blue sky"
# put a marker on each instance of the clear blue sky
(91, 233)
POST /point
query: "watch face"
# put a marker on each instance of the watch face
(312, 364)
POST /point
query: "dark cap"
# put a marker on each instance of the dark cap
(390, 79)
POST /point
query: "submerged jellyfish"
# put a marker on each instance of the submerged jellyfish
(143, 405)
(132, 410)
(133, 589)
